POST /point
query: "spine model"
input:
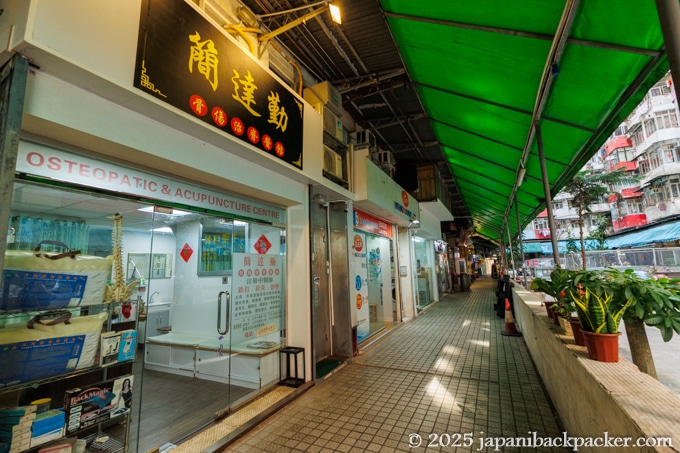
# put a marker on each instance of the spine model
(118, 291)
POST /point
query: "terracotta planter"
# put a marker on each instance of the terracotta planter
(556, 317)
(576, 330)
(603, 347)
(548, 310)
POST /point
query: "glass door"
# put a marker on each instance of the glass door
(375, 283)
(225, 325)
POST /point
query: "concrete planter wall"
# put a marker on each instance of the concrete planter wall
(593, 398)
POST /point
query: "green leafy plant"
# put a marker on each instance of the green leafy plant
(655, 302)
(557, 287)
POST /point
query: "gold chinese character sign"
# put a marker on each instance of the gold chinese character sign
(185, 61)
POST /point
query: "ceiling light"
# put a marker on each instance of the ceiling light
(335, 13)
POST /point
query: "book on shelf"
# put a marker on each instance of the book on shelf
(128, 345)
(46, 437)
(20, 447)
(17, 438)
(99, 402)
(17, 421)
(108, 349)
(18, 411)
(15, 429)
(48, 421)
(16, 426)
(117, 347)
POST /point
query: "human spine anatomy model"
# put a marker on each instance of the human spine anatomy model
(118, 291)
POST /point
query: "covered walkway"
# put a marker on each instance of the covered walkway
(449, 372)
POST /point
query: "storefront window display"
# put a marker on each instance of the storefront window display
(205, 294)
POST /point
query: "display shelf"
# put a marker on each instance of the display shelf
(57, 386)
(111, 445)
(39, 382)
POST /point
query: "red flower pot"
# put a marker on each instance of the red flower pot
(603, 347)
(556, 317)
(578, 333)
(548, 310)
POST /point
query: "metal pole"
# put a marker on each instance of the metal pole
(512, 255)
(669, 18)
(548, 197)
(13, 92)
(521, 245)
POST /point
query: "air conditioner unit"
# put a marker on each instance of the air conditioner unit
(324, 93)
(383, 158)
(332, 163)
(332, 124)
(365, 139)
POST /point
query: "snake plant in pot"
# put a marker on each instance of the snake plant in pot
(600, 320)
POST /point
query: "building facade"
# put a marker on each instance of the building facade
(234, 220)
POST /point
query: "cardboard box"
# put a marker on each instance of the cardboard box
(88, 406)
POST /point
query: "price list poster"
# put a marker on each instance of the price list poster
(257, 296)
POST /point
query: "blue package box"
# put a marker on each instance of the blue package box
(31, 290)
(29, 360)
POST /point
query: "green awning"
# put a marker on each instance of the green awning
(479, 68)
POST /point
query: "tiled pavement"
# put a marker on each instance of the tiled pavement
(448, 373)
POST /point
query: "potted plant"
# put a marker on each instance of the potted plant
(600, 320)
(557, 288)
(655, 302)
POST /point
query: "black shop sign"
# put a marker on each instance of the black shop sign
(184, 60)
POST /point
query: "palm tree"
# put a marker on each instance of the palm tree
(587, 188)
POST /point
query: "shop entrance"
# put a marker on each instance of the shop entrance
(331, 326)
(375, 267)
(204, 293)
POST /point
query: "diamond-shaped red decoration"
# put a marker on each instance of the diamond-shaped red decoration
(186, 253)
(262, 245)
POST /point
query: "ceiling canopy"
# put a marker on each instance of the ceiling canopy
(497, 78)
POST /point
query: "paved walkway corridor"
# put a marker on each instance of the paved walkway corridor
(448, 376)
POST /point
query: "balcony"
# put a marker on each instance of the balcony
(628, 166)
(619, 142)
(629, 221)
